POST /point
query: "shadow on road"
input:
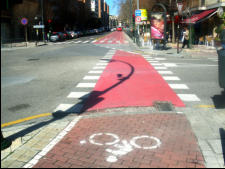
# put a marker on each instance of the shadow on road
(219, 101)
(222, 136)
(94, 96)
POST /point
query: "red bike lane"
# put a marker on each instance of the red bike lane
(136, 141)
(130, 81)
(142, 140)
(112, 38)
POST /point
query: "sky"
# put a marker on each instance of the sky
(113, 7)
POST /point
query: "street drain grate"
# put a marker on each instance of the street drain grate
(163, 106)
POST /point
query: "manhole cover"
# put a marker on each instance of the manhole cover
(163, 106)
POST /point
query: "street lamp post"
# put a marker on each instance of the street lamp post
(179, 6)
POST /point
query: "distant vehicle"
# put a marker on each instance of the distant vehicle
(119, 29)
(72, 34)
(66, 35)
(57, 36)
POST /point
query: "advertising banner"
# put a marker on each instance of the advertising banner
(157, 25)
(93, 5)
(144, 15)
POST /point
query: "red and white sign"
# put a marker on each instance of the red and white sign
(138, 20)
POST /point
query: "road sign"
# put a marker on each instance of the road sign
(137, 12)
(138, 20)
(39, 26)
(24, 21)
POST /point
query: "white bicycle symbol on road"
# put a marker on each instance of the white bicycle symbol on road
(124, 147)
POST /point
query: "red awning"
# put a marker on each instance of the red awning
(197, 17)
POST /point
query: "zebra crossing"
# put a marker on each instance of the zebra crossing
(76, 98)
(85, 41)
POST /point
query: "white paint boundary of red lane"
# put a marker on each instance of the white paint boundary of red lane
(51, 145)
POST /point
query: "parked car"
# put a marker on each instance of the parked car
(72, 34)
(66, 35)
(57, 36)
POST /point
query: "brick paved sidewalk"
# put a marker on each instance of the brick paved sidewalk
(141, 140)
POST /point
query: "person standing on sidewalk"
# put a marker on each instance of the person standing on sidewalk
(186, 37)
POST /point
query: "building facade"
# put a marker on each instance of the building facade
(57, 16)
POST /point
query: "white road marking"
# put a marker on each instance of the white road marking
(160, 68)
(189, 97)
(86, 85)
(178, 86)
(99, 67)
(78, 42)
(86, 41)
(160, 59)
(102, 64)
(165, 72)
(171, 78)
(91, 77)
(154, 61)
(78, 94)
(56, 140)
(95, 72)
(156, 64)
(170, 64)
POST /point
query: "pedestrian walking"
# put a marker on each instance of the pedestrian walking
(185, 37)
(48, 36)
(222, 38)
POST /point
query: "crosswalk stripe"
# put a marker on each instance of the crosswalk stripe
(178, 86)
(189, 97)
(95, 72)
(171, 78)
(86, 85)
(78, 94)
(91, 77)
(165, 72)
(160, 68)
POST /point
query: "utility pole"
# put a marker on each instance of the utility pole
(42, 18)
(138, 24)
